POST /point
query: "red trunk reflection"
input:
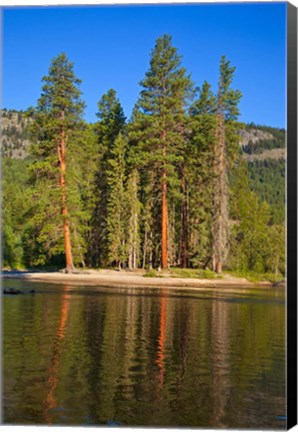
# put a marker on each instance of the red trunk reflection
(53, 375)
(160, 360)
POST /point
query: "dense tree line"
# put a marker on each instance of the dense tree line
(267, 179)
(166, 188)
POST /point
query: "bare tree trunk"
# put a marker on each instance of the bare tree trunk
(65, 216)
(220, 217)
(130, 260)
(276, 265)
(221, 194)
(145, 247)
(150, 252)
(135, 263)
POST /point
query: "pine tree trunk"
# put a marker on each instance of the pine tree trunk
(184, 223)
(145, 248)
(66, 230)
(215, 202)
(164, 223)
(221, 194)
(135, 263)
(276, 265)
(164, 210)
(130, 260)
(220, 198)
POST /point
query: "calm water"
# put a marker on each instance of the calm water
(76, 355)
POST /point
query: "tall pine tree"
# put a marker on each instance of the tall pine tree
(199, 176)
(111, 123)
(227, 112)
(116, 239)
(57, 118)
(159, 120)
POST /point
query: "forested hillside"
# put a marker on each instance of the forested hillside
(175, 185)
(265, 153)
(14, 134)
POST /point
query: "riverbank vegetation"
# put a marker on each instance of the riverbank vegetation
(168, 188)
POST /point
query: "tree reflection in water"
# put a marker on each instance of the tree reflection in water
(160, 359)
(144, 357)
(53, 373)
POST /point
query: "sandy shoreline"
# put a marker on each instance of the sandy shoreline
(113, 277)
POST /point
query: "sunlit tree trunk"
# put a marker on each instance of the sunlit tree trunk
(164, 225)
(65, 216)
(164, 210)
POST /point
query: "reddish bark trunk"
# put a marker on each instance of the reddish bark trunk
(218, 267)
(66, 230)
(164, 211)
(164, 223)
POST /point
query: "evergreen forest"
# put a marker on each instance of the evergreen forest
(173, 186)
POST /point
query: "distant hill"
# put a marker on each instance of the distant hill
(263, 142)
(14, 134)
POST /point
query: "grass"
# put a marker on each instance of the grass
(176, 272)
(183, 273)
(256, 277)
(152, 274)
(193, 273)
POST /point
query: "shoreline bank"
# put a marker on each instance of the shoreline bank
(114, 277)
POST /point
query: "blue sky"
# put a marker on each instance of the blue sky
(110, 47)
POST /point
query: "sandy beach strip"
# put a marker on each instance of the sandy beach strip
(134, 279)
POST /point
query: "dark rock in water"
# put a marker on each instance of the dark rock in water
(15, 291)
(279, 284)
(113, 423)
(12, 291)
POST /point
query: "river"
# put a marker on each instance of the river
(79, 355)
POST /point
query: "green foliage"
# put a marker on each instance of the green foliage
(199, 176)
(193, 274)
(266, 144)
(159, 130)
(111, 123)
(227, 98)
(276, 139)
(252, 276)
(116, 203)
(58, 111)
(114, 176)
(256, 245)
(267, 180)
(16, 202)
(152, 274)
(226, 150)
(133, 209)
